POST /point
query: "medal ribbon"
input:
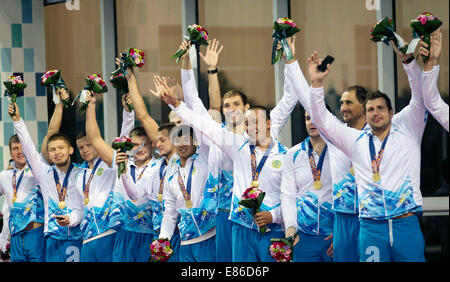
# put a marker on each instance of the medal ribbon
(62, 190)
(257, 169)
(373, 156)
(15, 187)
(316, 170)
(186, 192)
(133, 172)
(88, 184)
(162, 176)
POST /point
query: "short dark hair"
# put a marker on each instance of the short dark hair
(261, 108)
(360, 92)
(81, 135)
(59, 136)
(377, 94)
(177, 131)
(138, 131)
(167, 126)
(235, 92)
(13, 139)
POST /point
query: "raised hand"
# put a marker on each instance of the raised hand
(403, 57)
(63, 94)
(435, 46)
(316, 76)
(211, 56)
(167, 94)
(15, 116)
(126, 100)
(130, 71)
(159, 87)
(185, 60)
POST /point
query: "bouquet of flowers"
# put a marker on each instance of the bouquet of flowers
(160, 250)
(123, 144)
(283, 28)
(119, 81)
(424, 25)
(14, 86)
(94, 83)
(198, 35)
(132, 58)
(282, 249)
(384, 31)
(252, 198)
(53, 79)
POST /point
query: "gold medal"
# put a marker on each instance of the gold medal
(86, 201)
(160, 197)
(62, 205)
(376, 177)
(189, 204)
(14, 198)
(352, 171)
(317, 184)
(255, 183)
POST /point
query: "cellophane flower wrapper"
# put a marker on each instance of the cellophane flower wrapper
(424, 25)
(132, 58)
(198, 35)
(53, 79)
(119, 81)
(96, 83)
(281, 249)
(124, 144)
(160, 250)
(384, 31)
(14, 86)
(252, 199)
(282, 29)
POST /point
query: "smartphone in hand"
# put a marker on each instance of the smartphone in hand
(323, 66)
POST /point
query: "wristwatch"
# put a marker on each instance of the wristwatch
(409, 60)
(212, 71)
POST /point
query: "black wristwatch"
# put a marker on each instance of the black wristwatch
(212, 71)
(409, 60)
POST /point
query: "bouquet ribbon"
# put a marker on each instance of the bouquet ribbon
(280, 36)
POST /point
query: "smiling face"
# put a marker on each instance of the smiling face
(15, 150)
(87, 150)
(310, 127)
(163, 143)
(257, 126)
(378, 114)
(184, 146)
(233, 109)
(145, 152)
(59, 151)
(351, 109)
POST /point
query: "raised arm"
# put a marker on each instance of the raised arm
(127, 116)
(28, 147)
(104, 150)
(210, 59)
(149, 124)
(431, 96)
(55, 122)
(225, 139)
(333, 129)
